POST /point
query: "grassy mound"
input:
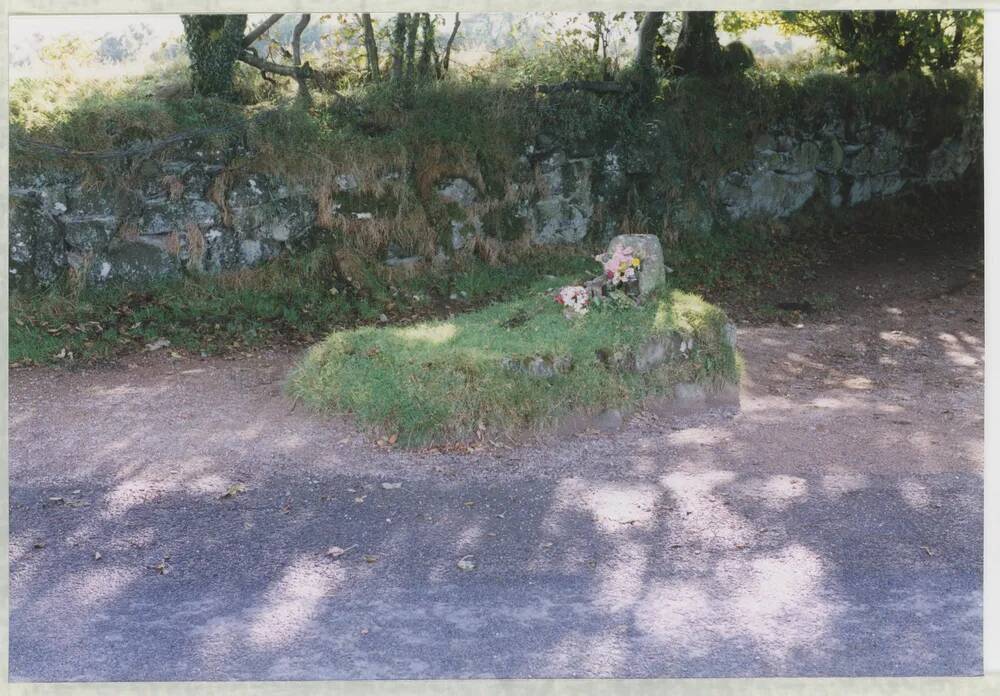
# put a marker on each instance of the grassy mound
(444, 381)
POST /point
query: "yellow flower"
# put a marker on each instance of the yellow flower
(635, 262)
(621, 266)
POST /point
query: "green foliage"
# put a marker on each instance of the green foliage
(441, 381)
(737, 57)
(288, 300)
(881, 41)
(516, 67)
(214, 42)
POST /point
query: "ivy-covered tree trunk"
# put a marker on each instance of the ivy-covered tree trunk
(698, 51)
(371, 48)
(214, 43)
(399, 44)
(411, 45)
(648, 30)
(427, 45)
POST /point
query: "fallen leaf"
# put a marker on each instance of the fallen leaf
(465, 564)
(927, 550)
(371, 559)
(233, 491)
(97, 555)
(337, 552)
(392, 486)
(360, 499)
(175, 355)
(162, 568)
(39, 544)
(57, 499)
(469, 503)
(393, 438)
(157, 344)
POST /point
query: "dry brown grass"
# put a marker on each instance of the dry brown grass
(174, 186)
(439, 160)
(217, 194)
(172, 244)
(128, 231)
(196, 247)
(76, 277)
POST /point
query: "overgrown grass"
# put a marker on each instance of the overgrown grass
(296, 299)
(442, 381)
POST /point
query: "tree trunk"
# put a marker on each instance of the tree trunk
(411, 45)
(214, 43)
(698, 51)
(446, 61)
(301, 72)
(648, 30)
(399, 45)
(427, 45)
(371, 48)
(650, 26)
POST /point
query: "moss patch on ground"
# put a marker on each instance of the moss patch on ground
(444, 381)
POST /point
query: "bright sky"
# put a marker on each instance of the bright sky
(27, 33)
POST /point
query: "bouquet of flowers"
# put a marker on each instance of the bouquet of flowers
(575, 298)
(621, 266)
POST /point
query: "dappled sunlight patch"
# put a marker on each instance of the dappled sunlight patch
(20, 546)
(432, 334)
(858, 382)
(468, 538)
(621, 580)
(843, 482)
(776, 492)
(699, 436)
(914, 493)
(900, 339)
(923, 441)
(838, 403)
(796, 362)
(207, 485)
(104, 396)
(703, 519)
(292, 602)
(140, 538)
(957, 353)
(614, 507)
(584, 654)
(970, 339)
(777, 602)
(765, 405)
(88, 587)
(145, 485)
(128, 494)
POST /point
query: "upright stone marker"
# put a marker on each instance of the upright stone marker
(652, 272)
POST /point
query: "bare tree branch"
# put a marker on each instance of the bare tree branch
(297, 39)
(253, 60)
(260, 30)
(451, 39)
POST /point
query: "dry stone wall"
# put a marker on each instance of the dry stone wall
(192, 214)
